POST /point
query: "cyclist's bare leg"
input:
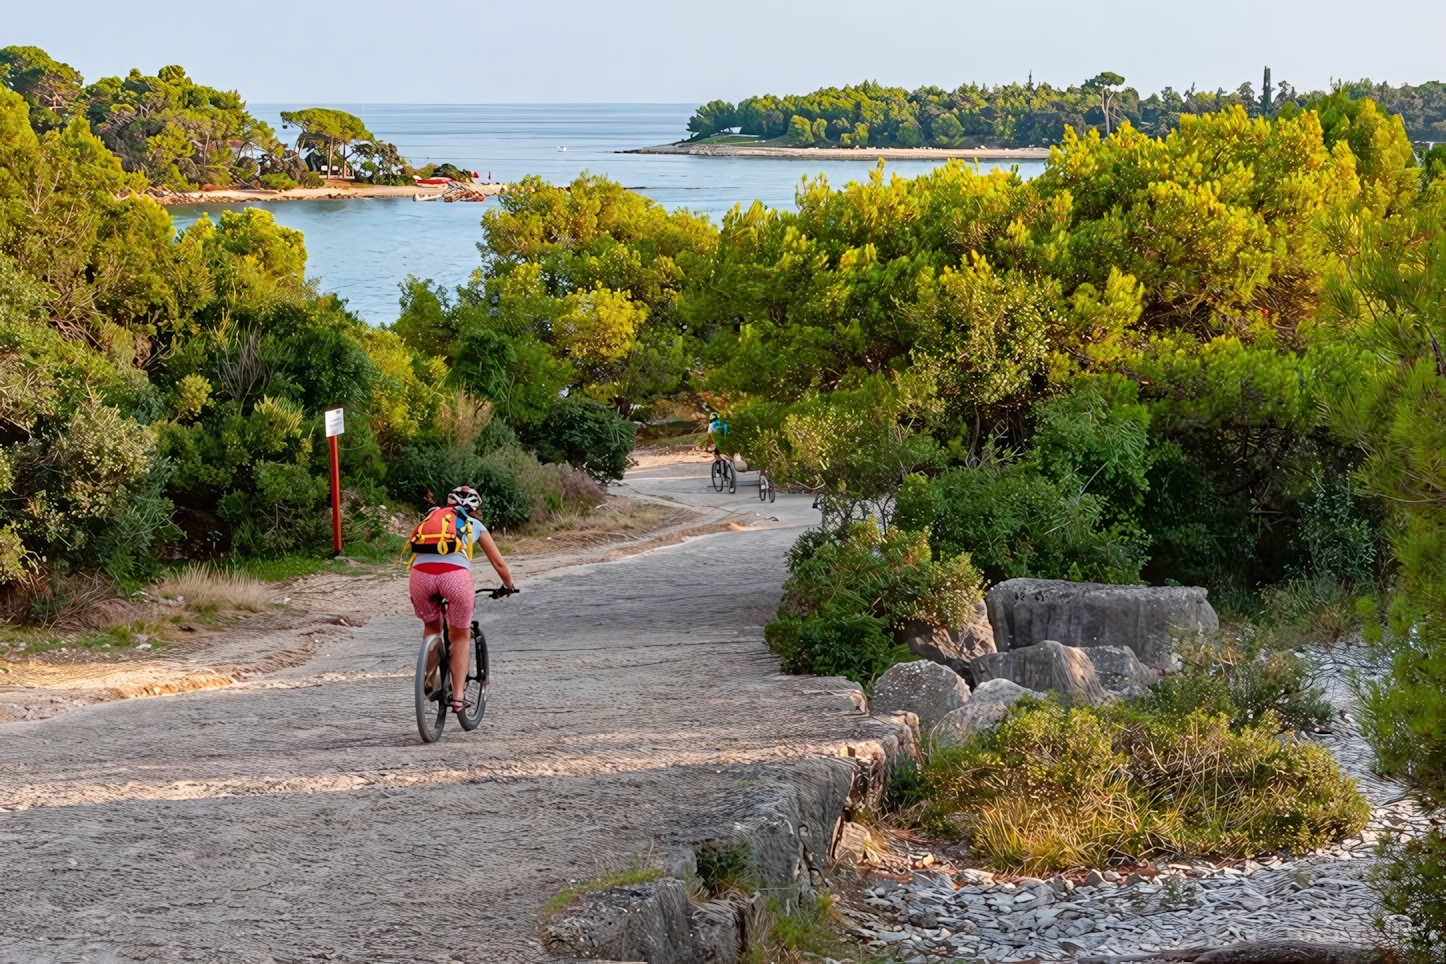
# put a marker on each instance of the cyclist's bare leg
(461, 654)
(461, 650)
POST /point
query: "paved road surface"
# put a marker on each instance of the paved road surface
(296, 817)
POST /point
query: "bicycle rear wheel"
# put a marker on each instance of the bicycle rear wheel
(477, 678)
(432, 687)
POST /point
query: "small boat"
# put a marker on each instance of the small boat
(563, 149)
(436, 181)
(427, 197)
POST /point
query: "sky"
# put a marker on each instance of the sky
(683, 51)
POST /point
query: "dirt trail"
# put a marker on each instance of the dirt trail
(294, 816)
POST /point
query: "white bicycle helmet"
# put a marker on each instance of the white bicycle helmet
(466, 497)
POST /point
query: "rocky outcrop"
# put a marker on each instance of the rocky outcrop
(1049, 665)
(648, 922)
(954, 648)
(1120, 671)
(989, 703)
(1144, 618)
(924, 688)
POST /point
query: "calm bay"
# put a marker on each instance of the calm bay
(363, 249)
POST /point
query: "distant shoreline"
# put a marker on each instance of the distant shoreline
(849, 153)
(331, 192)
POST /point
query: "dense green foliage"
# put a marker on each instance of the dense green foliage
(1029, 114)
(161, 394)
(1054, 787)
(1388, 297)
(580, 291)
(181, 134)
(849, 592)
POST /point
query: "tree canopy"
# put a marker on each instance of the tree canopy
(1029, 114)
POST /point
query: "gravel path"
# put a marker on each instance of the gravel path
(296, 817)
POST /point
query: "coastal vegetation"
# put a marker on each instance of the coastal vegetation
(1204, 348)
(161, 393)
(1029, 114)
(1209, 357)
(181, 135)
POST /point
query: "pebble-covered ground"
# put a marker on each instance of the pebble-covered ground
(1322, 897)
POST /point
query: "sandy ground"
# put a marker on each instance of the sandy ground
(850, 153)
(333, 191)
(295, 816)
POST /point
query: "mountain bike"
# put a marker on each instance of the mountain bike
(433, 686)
(724, 475)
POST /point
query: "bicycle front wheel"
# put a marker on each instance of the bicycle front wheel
(732, 478)
(718, 475)
(433, 685)
(477, 677)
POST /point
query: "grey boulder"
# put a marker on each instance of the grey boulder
(1049, 665)
(924, 688)
(954, 648)
(1144, 618)
(989, 704)
(1120, 671)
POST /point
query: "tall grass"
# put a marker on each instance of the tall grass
(203, 586)
(1054, 787)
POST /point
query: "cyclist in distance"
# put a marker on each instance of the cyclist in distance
(442, 545)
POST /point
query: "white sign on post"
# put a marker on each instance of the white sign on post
(334, 422)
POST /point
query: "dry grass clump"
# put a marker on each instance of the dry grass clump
(201, 587)
(619, 520)
(1054, 787)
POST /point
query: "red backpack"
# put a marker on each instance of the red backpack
(445, 530)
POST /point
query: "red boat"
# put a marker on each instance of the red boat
(434, 180)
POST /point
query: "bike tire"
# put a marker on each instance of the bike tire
(477, 679)
(762, 487)
(772, 491)
(717, 475)
(732, 478)
(432, 713)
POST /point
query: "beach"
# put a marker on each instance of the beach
(849, 153)
(334, 190)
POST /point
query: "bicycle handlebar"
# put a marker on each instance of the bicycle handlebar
(498, 592)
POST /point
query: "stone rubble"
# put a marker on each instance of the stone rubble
(1319, 897)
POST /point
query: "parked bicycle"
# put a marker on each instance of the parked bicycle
(433, 685)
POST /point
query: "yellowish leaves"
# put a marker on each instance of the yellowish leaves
(100, 452)
(192, 393)
(600, 325)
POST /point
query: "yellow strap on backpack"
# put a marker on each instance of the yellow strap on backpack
(443, 532)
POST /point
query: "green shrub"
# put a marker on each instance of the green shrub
(1412, 883)
(277, 182)
(834, 642)
(586, 435)
(724, 868)
(845, 596)
(1053, 787)
(1013, 521)
(1248, 679)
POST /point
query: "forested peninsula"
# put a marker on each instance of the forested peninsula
(182, 136)
(1025, 115)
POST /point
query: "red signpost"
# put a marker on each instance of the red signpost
(335, 425)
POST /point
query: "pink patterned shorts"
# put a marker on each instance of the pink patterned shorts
(454, 585)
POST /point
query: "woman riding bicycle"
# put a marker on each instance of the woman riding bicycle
(442, 547)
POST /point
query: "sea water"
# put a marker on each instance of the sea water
(364, 249)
